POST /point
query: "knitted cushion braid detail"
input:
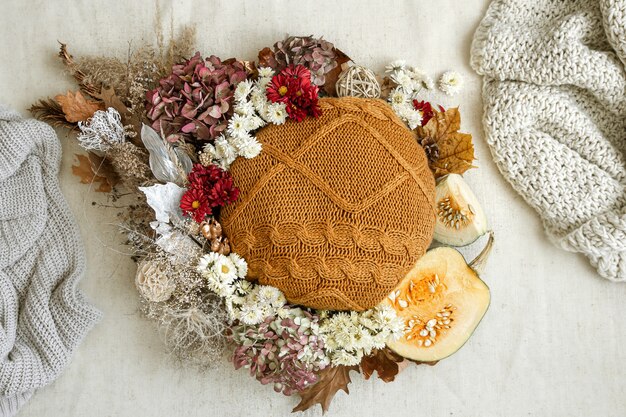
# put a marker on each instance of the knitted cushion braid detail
(555, 117)
(335, 210)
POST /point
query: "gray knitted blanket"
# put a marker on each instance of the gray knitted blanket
(555, 117)
(43, 316)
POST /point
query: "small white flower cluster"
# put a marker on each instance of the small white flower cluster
(451, 83)
(252, 111)
(350, 336)
(249, 303)
(409, 82)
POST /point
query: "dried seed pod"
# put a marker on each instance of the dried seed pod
(225, 247)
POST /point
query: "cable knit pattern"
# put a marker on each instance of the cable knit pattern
(335, 210)
(43, 316)
(555, 117)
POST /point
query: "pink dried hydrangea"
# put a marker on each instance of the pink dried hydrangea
(286, 352)
(195, 102)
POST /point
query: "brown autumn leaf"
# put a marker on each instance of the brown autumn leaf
(332, 75)
(456, 151)
(266, 58)
(386, 363)
(86, 170)
(111, 99)
(76, 107)
(331, 380)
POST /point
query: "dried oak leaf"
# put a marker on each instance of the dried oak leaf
(76, 108)
(456, 151)
(92, 168)
(331, 380)
(385, 362)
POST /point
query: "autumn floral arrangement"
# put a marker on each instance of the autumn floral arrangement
(161, 131)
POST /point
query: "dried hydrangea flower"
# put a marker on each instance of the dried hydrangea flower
(286, 352)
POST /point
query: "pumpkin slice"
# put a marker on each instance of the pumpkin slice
(441, 300)
(460, 218)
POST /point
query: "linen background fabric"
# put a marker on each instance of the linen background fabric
(555, 117)
(551, 344)
(43, 316)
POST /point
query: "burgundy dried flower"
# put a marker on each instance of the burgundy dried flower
(194, 102)
(209, 187)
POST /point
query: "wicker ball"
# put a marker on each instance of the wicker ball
(335, 210)
(357, 81)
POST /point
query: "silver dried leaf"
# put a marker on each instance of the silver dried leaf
(167, 162)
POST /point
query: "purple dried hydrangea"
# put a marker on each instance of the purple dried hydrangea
(195, 102)
(317, 55)
(286, 352)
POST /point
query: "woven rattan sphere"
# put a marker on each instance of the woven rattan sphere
(357, 81)
(335, 210)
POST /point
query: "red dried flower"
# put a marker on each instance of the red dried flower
(293, 87)
(195, 204)
(209, 187)
(426, 109)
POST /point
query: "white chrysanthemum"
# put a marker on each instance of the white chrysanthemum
(216, 284)
(242, 289)
(250, 314)
(238, 125)
(413, 119)
(420, 78)
(258, 99)
(226, 269)
(362, 339)
(384, 315)
(269, 294)
(397, 97)
(250, 149)
(262, 83)
(396, 65)
(207, 261)
(404, 81)
(265, 72)
(254, 121)
(451, 83)
(209, 149)
(224, 151)
(240, 264)
(343, 357)
(277, 113)
(242, 90)
(245, 109)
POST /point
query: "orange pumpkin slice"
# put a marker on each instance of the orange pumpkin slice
(441, 300)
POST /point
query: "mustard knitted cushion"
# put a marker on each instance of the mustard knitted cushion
(335, 210)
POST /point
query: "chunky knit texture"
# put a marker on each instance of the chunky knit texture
(335, 210)
(555, 117)
(43, 316)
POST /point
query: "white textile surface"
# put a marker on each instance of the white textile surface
(551, 344)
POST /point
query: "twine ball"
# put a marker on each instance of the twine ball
(335, 210)
(357, 81)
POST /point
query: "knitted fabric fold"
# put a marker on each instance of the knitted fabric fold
(554, 97)
(43, 316)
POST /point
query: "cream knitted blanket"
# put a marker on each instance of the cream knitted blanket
(43, 316)
(555, 117)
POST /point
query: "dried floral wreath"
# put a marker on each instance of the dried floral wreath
(181, 133)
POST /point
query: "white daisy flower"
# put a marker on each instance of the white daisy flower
(343, 357)
(207, 261)
(397, 97)
(240, 264)
(265, 72)
(224, 151)
(258, 99)
(244, 108)
(255, 122)
(225, 269)
(413, 119)
(268, 294)
(250, 314)
(451, 83)
(277, 113)
(404, 81)
(262, 83)
(238, 125)
(396, 65)
(242, 90)
(250, 149)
